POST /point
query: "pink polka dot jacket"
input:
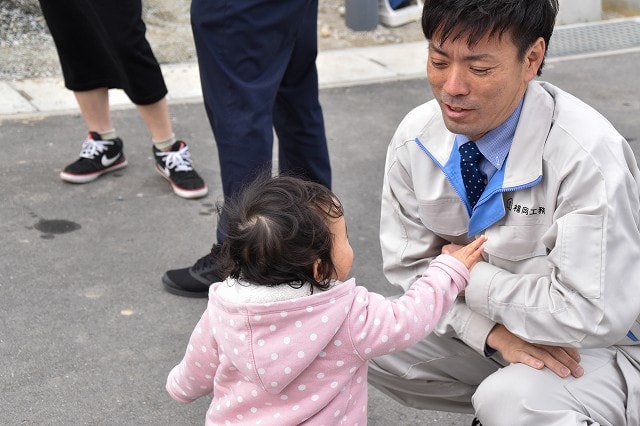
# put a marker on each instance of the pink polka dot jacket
(303, 360)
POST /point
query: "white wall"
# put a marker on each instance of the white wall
(574, 11)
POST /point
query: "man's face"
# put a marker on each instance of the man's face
(478, 87)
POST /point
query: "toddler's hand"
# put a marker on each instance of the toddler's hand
(469, 254)
(450, 248)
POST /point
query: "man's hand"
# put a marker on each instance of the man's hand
(560, 360)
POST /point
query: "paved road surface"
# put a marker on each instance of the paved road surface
(87, 335)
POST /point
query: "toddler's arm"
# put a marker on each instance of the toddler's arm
(380, 326)
(193, 377)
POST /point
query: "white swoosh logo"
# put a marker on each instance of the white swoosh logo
(106, 162)
(166, 171)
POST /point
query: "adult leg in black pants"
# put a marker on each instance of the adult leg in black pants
(258, 72)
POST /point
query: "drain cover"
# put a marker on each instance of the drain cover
(596, 37)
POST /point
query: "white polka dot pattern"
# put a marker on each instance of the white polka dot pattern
(306, 358)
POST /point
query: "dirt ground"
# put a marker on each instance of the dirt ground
(169, 31)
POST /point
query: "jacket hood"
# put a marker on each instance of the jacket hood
(272, 343)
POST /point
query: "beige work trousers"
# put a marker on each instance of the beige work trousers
(444, 374)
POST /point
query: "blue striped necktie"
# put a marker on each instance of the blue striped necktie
(474, 179)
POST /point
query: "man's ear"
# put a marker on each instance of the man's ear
(534, 56)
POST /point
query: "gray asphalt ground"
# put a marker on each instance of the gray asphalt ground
(87, 334)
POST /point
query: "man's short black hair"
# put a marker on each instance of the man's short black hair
(524, 20)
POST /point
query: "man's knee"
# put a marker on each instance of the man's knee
(498, 390)
(500, 396)
(518, 391)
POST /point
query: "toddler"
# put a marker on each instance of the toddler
(286, 337)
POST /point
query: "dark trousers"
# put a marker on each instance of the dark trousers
(258, 72)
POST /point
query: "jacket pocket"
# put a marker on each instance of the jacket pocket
(580, 253)
(516, 243)
(446, 216)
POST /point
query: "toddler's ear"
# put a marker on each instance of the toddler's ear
(316, 266)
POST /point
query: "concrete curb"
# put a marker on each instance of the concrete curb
(48, 96)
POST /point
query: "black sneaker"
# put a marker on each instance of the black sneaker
(97, 157)
(476, 422)
(175, 166)
(194, 281)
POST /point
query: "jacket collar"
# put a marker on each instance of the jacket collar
(524, 163)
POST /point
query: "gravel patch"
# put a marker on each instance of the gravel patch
(27, 49)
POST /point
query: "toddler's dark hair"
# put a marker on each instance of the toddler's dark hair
(276, 229)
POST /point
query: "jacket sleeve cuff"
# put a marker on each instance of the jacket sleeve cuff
(466, 325)
(475, 333)
(477, 292)
(477, 296)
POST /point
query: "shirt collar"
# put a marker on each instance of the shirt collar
(496, 143)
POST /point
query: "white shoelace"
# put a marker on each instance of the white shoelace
(177, 160)
(91, 148)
